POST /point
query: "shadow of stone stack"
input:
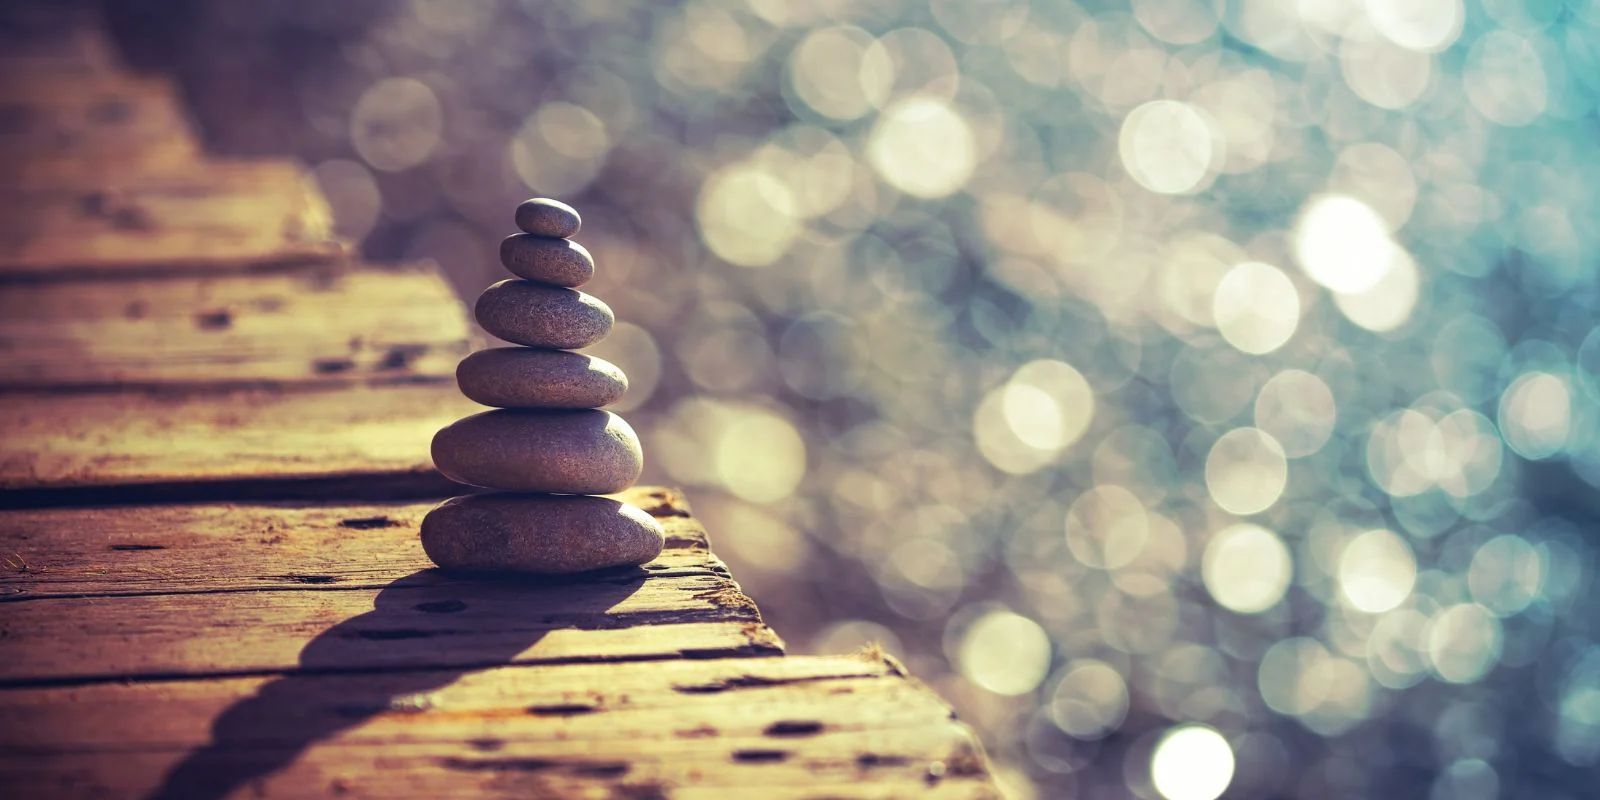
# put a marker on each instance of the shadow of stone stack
(547, 448)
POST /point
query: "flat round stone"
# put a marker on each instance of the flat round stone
(545, 217)
(525, 377)
(540, 534)
(532, 314)
(526, 450)
(554, 261)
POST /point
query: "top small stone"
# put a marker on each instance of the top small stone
(544, 217)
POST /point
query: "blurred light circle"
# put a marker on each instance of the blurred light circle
(1242, 109)
(1191, 268)
(1426, 26)
(1192, 762)
(1466, 779)
(1107, 527)
(1376, 571)
(1048, 404)
(1377, 175)
(1297, 409)
(1387, 304)
(759, 456)
(1246, 568)
(1587, 364)
(913, 61)
(765, 540)
(1005, 653)
(1463, 453)
(1347, 702)
(396, 124)
(352, 194)
(826, 71)
(1577, 736)
(1397, 458)
(921, 577)
(1167, 147)
(1176, 21)
(923, 147)
(856, 635)
(1291, 676)
(634, 350)
(1025, 424)
(1382, 72)
(559, 148)
(1397, 649)
(1246, 471)
(1505, 79)
(1463, 642)
(1343, 244)
(1536, 414)
(1090, 701)
(1506, 574)
(1256, 307)
(746, 216)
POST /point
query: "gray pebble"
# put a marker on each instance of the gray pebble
(525, 377)
(524, 450)
(545, 217)
(539, 534)
(532, 314)
(554, 261)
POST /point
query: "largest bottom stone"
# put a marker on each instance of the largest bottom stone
(542, 534)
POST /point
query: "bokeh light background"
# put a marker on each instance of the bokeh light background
(1202, 396)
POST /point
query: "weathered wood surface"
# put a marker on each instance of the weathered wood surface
(164, 218)
(237, 440)
(171, 549)
(228, 646)
(783, 727)
(250, 585)
(70, 128)
(325, 326)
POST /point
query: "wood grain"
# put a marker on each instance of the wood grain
(238, 440)
(290, 583)
(837, 726)
(71, 128)
(325, 326)
(174, 216)
(171, 549)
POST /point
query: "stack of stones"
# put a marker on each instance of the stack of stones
(547, 448)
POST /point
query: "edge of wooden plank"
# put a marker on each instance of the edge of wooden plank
(356, 441)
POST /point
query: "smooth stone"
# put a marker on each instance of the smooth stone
(525, 377)
(541, 534)
(532, 314)
(526, 450)
(542, 216)
(553, 261)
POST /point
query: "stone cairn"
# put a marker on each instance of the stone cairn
(546, 448)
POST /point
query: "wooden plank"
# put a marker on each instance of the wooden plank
(168, 549)
(252, 585)
(792, 727)
(160, 218)
(250, 443)
(60, 125)
(327, 326)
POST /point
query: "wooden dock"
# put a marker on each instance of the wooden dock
(213, 460)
